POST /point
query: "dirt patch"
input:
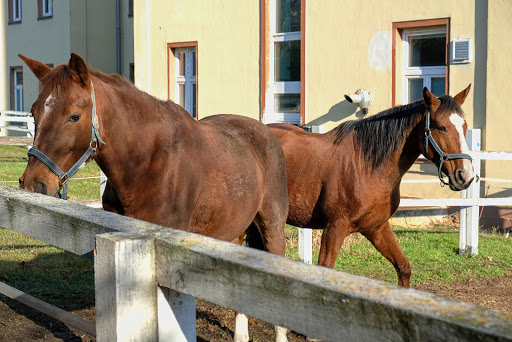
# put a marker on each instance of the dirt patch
(215, 323)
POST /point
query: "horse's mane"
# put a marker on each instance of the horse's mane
(378, 136)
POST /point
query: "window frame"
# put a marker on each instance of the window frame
(42, 11)
(396, 71)
(12, 6)
(270, 88)
(14, 88)
(190, 81)
(420, 72)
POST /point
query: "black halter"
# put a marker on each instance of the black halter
(443, 156)
(91, 150)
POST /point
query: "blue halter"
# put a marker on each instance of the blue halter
(91, 150)
(443, 156)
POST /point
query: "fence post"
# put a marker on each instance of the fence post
(176, 316)
(306, 245)
(469, 216)
(125, 286)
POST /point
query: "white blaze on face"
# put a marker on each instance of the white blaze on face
(48, 105)
(458, 122)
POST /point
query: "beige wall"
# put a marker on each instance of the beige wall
(87, 28)
(46, 40)
(348, 46)
(227, 33)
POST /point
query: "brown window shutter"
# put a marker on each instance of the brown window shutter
(11, 15)
(39, 8)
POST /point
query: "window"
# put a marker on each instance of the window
(424, 62)
(186, 78)
(284, 95)
(419, 59)
(14, 11)
(17, 88)
(130, 8)
(132, 72)
(45, 8)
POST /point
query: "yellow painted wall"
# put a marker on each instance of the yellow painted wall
(348, 46)
(498, 119)
(228, 36)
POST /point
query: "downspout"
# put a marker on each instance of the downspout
(118, 35)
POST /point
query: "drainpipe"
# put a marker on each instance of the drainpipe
(118, 35)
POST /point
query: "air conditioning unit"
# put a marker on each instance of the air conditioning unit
(461, 51)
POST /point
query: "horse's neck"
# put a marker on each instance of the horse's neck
(405, 154)
(409, 152)
(135, 127)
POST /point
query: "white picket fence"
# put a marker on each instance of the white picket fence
(17, 121)
(470, 202)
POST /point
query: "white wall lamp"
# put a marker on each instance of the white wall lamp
(362, 98)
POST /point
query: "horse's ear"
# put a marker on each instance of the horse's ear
(38, 68)
(431, 101)
(78, 69)
(460, 97)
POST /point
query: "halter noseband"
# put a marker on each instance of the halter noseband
(91, 150)
(443, 156)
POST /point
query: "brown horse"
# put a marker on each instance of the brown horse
(348, 180)
(215, 177)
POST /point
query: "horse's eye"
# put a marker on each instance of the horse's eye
(74, 118)
(442, 129)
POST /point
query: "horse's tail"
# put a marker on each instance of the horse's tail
(253, 237)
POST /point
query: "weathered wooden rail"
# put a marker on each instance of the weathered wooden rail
(147, 276)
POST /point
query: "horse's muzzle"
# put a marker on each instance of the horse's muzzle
(461, 179)
(39, 186)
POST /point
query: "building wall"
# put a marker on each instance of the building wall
(47, 40)
(228, 41)
(496, 119)
(347, 46)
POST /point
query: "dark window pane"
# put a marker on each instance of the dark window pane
(438, 85)
(288, 16)
(287, 103)
(287, 61)
(415, 89)
(427, 50)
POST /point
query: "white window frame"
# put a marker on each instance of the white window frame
(18, 89)
(16, 7)
(290, 87)
(47, 8)
(189, 80)
(426, 72)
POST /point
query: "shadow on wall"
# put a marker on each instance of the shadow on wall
(340, 111)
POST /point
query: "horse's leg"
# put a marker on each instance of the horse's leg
(241, 328)
(332, 239)
(385, 241)
(270, 221)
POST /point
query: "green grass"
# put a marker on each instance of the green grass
(48, 273)
(433, 254)
(13, 161)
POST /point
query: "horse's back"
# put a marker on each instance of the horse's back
(309, 159)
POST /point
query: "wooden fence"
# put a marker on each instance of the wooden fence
(146, 278)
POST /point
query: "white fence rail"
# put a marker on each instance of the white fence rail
(470, 201)
(146, 278)
(17, 121)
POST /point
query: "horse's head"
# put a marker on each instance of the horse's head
(62, 115)
(444, 142)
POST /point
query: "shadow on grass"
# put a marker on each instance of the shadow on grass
(58, 278)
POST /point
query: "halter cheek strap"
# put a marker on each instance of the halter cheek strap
(443, 156)
(91, 150)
